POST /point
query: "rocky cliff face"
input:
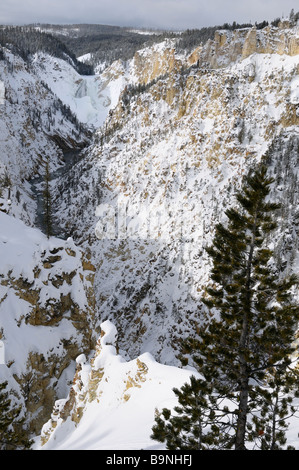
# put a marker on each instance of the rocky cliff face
(35, 128)
(231, 46)
(47, 311)
(164, 168)
(90, 382)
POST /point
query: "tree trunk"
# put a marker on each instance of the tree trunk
(244, 379)
(242, 417)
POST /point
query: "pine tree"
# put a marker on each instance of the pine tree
(197, 423)
(274, 406)
(12, 435)
(257, 319)
(244, 354)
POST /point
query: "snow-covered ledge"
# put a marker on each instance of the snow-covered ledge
(112, 402)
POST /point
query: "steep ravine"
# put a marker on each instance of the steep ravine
(48, 180)
(48, 315)
(166, 166)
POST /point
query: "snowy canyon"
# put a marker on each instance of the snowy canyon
(91, 319)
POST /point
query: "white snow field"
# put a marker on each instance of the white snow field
(122, 414)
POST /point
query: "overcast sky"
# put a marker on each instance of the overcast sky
(166, 14)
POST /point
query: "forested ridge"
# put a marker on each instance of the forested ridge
(27, 41)
(106, 43)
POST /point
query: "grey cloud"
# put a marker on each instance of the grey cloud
(172, 14)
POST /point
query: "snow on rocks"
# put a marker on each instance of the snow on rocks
(46, 314)
(112, 402)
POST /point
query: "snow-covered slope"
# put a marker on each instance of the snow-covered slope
(89, 97)
(164, 168)
(46, 315)
(92, 97)
(176, 135)
(35, 128)
(112, 402)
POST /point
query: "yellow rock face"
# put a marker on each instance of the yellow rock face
(42, 371)
(91, 388)
(155, 63)
(232, 46)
